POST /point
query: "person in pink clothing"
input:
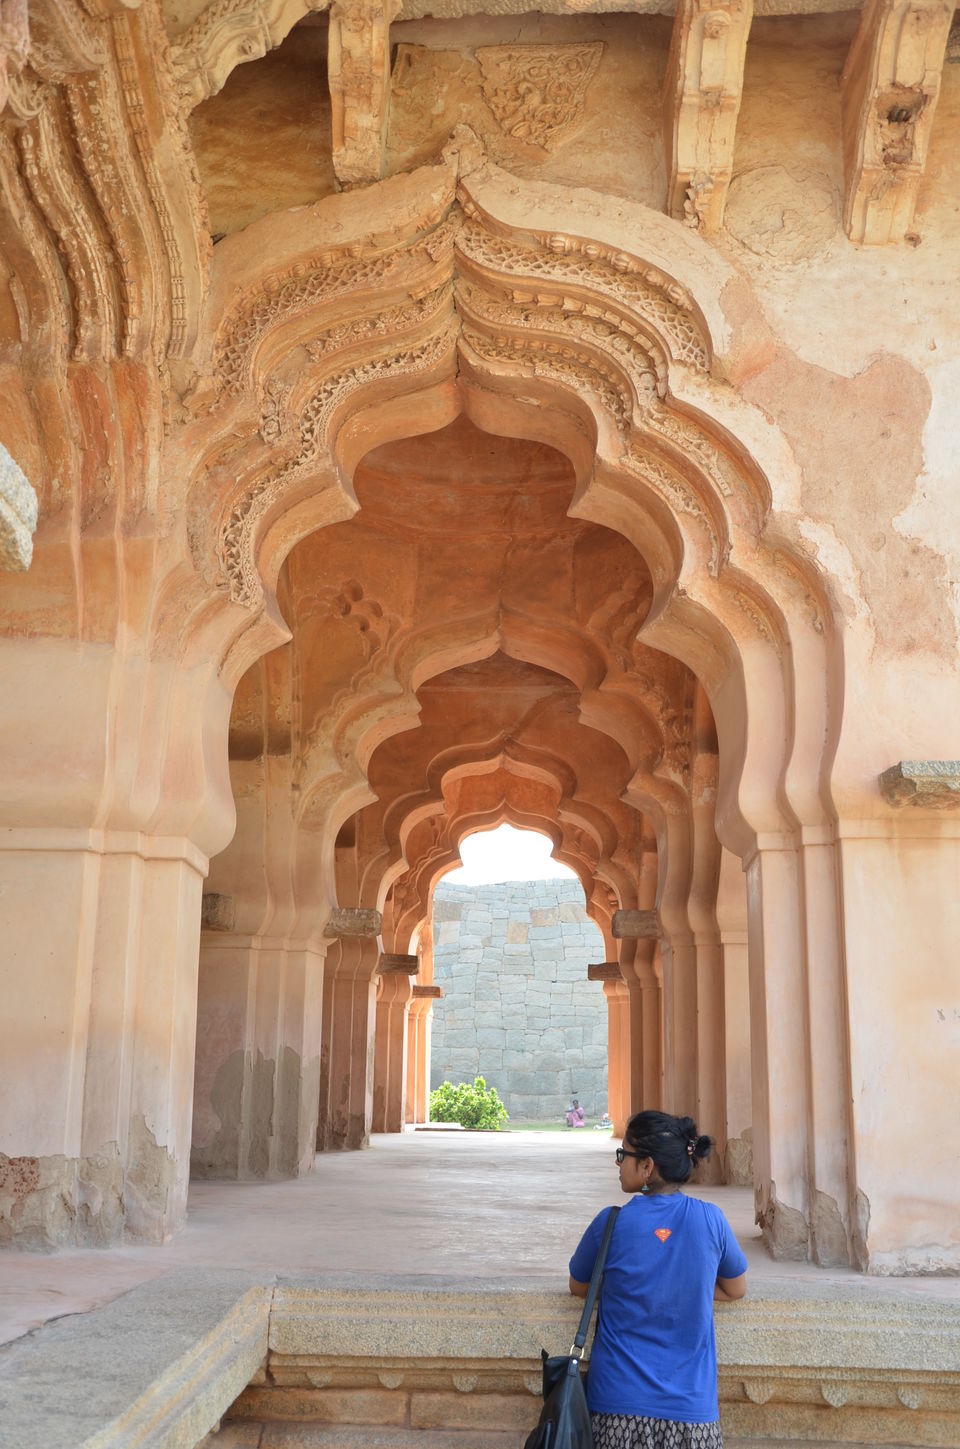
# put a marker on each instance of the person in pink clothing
(576, 1116)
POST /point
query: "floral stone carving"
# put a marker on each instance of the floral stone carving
(537, 91)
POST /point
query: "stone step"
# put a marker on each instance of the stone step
(319, 1436)
(357, 1436)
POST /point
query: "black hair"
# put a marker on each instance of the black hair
(673, 1142)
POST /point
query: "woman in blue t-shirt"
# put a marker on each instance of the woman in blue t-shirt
(653, 1367)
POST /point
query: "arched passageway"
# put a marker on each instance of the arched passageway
(551, 607)
(472, 526)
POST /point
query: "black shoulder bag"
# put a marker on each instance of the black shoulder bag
(565, 1420)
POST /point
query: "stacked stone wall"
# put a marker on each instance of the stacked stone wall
(517, 1007)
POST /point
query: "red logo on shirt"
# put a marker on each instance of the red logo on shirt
(662, 1233)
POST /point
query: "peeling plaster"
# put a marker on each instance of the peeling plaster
(61, 1202)
(828, 1232)
(150, 1181)
(785, 1229)
(932, 516)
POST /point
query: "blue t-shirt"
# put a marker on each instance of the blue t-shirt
(654, 1354)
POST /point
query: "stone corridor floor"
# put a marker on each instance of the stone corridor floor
(491, 1206)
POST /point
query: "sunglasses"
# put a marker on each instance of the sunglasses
(623, 1152)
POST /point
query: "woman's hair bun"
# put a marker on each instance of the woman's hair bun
(702, 1147)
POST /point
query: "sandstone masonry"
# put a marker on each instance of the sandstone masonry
(517, 1007)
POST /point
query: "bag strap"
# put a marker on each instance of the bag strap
(581, 1338)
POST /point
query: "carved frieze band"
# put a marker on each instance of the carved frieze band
(236, 548)
(682, 497)
(634, 288)
(551, 306)
(332, 273)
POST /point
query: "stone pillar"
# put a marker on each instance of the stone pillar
(832, 1213)
(732, 922)
(99, 932)
(646, 1025)
(709, 1105)
(779, 1048)
(901, 940)
(418, 1052)
(257, 1084)
(347, 1058)
(618, 1051)
(394, 997)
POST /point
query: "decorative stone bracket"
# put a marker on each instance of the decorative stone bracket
(18, 515)
(393, 962)
(217, 912)
(889, 90)
(701, 102)
(605, 971)
(635, 926)
(927, 784)
(353, 921)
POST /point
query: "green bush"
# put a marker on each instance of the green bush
(471, 1104)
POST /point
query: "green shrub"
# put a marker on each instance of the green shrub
(471, 1104)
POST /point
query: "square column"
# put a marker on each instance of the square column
(98, 974)
(257, 1083)
(349, 1038)
(394, 997)
(779, 1048)
(419, 1030)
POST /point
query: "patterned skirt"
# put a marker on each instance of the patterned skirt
(624, 1431)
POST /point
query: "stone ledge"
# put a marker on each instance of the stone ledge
(160, 1366)
(157, 1367)
(796, 1325)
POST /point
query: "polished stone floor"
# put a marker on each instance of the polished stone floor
(498, 1205)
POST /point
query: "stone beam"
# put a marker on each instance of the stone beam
(358, 71)
(635, 926)
(226, 34)
(353, 921)
(391, 961)
(889, 91)
(701, 102)
(422, 992)
(927, 784)
(605, 971)
(18, 514)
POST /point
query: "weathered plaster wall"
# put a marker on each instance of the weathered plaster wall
(517, 1007)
